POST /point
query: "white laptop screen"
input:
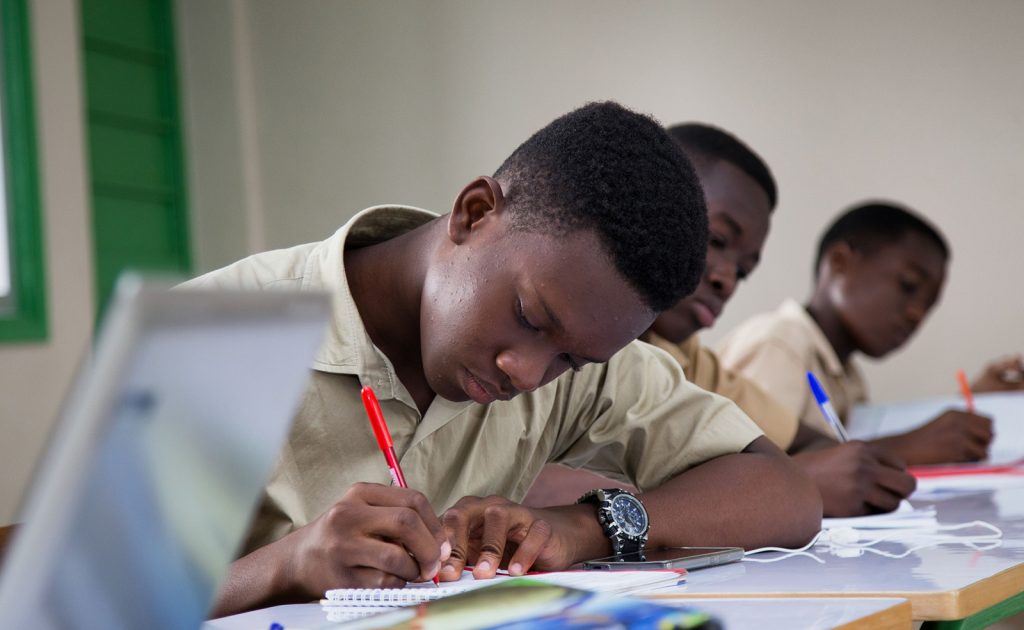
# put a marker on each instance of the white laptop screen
(163, 452)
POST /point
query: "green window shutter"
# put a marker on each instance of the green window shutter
(139, 202)
(23, 308)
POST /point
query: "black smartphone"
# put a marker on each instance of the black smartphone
(667, 558)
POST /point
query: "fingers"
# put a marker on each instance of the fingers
(980, 428)
(530, 548)
(1006, 364)
(408, 519)
(485, 532)
(385, 496)
(975, 449)
(971, 438)
(888, 458)
(881, 499)
(894, 481)
(492, 543)
(366, 577)
(888, 481)
(378, 563)
(456, 523)
(1006, 374)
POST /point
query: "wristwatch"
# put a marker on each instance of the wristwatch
(622, 517)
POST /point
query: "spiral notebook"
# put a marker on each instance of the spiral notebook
(618, 582)
(530, 604)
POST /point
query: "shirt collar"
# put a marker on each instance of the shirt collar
(792, 309)
(347, 348)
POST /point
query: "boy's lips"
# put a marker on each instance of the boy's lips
(477, 390)
(706, 315)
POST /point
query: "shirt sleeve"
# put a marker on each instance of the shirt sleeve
(777, 422)
(638, 420)
(276, 269)
(775, 367)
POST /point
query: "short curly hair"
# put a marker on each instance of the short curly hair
(605, 168)
(700, 141)
(872, 224)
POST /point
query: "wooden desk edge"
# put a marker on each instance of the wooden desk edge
(925, 605)
(899, 616)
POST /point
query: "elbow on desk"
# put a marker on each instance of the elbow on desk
(807, 508)
(790, 497)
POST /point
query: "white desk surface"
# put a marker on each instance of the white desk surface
(945, 582)
(817, 613)
(812, 613)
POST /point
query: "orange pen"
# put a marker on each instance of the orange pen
(965, 389)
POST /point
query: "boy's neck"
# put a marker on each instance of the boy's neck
(386, 282)
(829, 321)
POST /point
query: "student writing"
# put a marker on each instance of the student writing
(879, 271)
(853, 478)
(497, 338)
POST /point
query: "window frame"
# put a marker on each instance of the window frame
(27, 320)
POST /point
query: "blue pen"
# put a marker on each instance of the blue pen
(826, 407)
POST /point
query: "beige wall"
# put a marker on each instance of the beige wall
(33, 376)
(357, 103)
(301, 113)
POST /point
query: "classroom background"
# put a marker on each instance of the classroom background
(282, 118)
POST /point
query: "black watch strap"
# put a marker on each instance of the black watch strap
(626, 536)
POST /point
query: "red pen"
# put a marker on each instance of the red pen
(965, 389)
(380, 429)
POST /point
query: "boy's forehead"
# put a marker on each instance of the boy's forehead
(574, 282)
(916, 252)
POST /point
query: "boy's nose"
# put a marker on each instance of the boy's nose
(722, 276)
(525, 369)
(916, 312)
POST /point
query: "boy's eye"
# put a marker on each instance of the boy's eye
(908, 287)
(521, 316)
(572, 364)
(716, 241)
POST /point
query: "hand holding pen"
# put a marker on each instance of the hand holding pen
(827, 410)
(387, 446)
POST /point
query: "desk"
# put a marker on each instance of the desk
(818, 613)
(947, 582)
(847, 613)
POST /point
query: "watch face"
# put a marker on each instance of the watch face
(630, 515)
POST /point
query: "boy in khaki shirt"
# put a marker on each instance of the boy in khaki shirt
(498, 338)
(740, 192)
(879, 271)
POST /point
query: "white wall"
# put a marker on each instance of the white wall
(34, 376)
(300, 113)
(358, 103)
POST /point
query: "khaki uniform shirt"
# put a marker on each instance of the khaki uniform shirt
(777, 349)
(703, 369)
(634, 418)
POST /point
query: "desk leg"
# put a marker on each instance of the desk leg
(982, 619)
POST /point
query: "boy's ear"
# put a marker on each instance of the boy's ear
(839, 258)
(480, 199)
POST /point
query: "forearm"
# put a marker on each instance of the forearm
(752, 499)
(254, 581)
(808, 439)
(560, 485)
